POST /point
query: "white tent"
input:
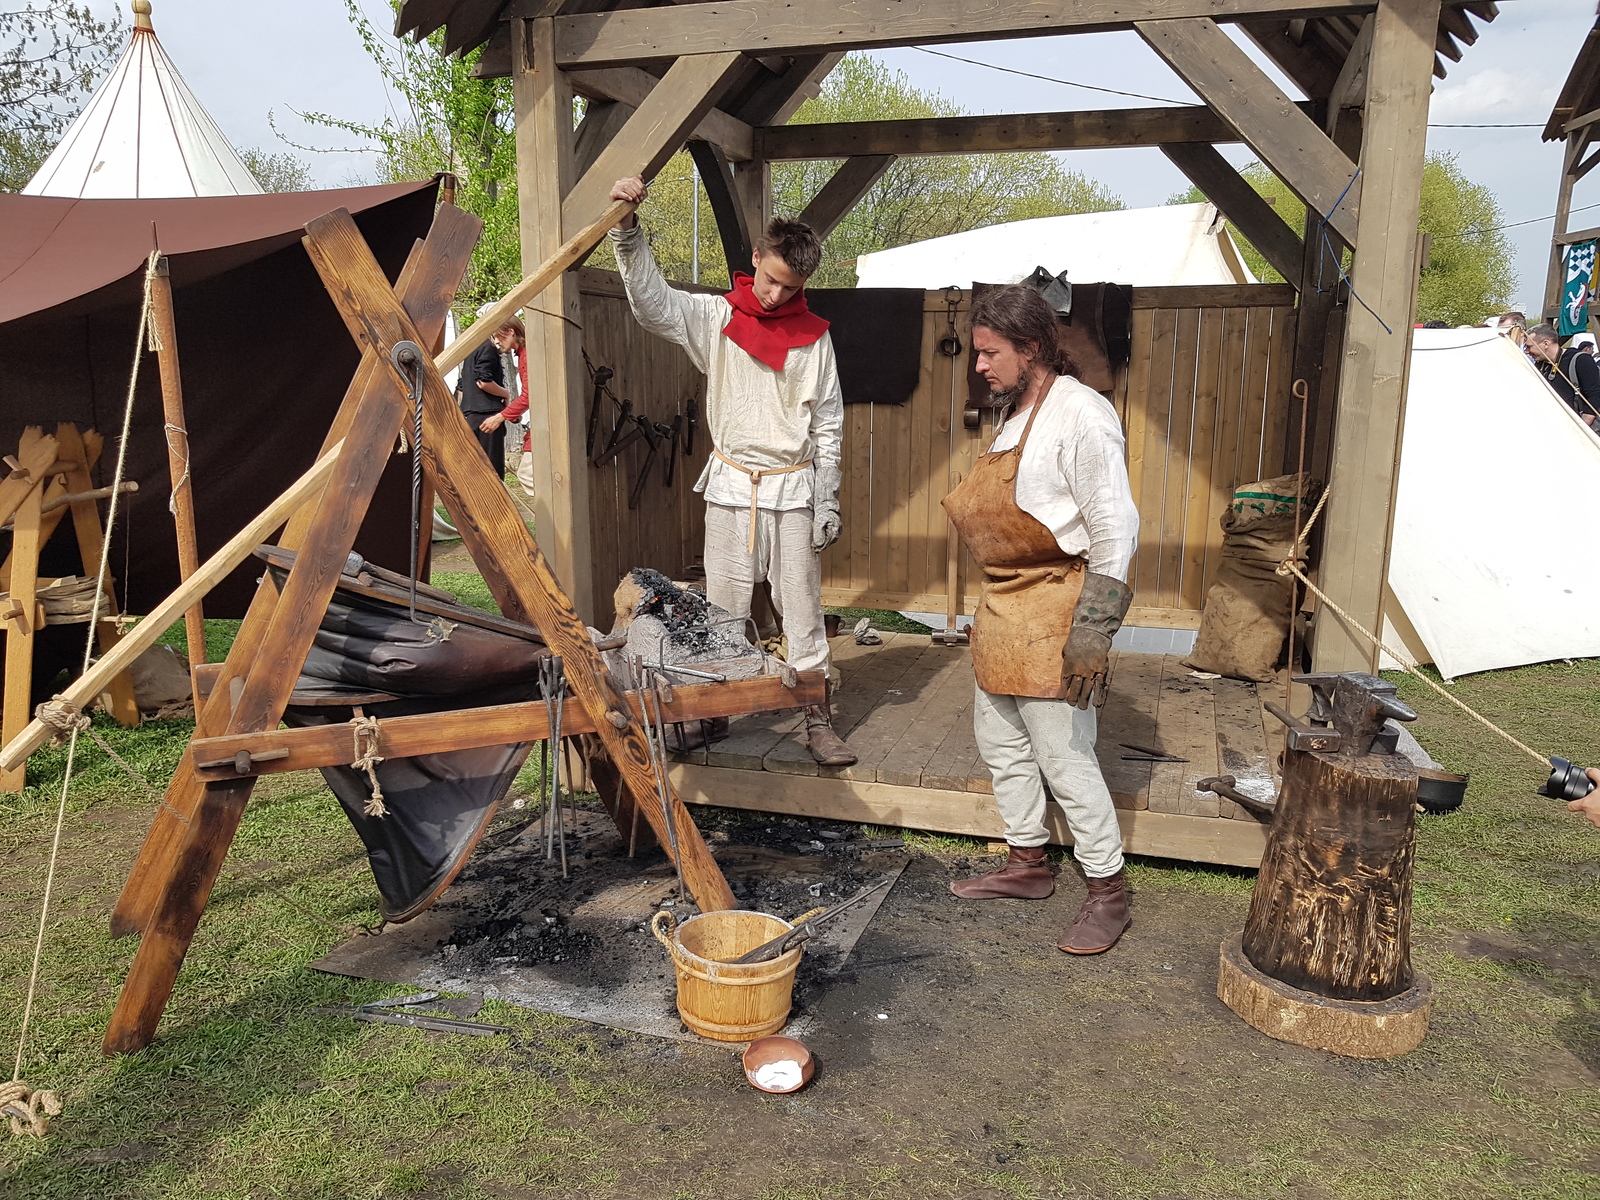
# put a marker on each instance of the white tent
(1175, 244)
(1494, 561)
(143, 135)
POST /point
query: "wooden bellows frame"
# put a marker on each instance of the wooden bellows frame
(172, 880)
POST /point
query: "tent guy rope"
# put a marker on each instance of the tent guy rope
(1293, 566)
(63, 716)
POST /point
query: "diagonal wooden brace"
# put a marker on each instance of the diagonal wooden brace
(513, 566)
(427, 286)
(173, 880)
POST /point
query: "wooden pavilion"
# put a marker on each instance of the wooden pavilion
(1205, 398)
(1575, 122)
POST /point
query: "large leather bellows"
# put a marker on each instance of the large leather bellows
(1247, 609)
(371, 659)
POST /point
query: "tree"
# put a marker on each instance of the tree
(451, 122)
(51, 56)
(1469, 273)
(917, 198)
(278, 172)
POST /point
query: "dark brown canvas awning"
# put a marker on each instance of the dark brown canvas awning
(265, 357)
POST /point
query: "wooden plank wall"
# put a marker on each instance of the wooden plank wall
(1204, 401)
(667, 530)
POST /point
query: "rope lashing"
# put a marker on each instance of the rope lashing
(30, 1111)
(1293, 565)
(62, 718)
(368, 742)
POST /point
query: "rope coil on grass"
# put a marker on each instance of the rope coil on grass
(367, 737)
(30, 1111)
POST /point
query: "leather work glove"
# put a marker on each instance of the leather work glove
(1086, 658)
(826, 524)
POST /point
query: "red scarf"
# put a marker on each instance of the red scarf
(769, 334)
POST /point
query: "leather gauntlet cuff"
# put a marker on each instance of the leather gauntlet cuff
(1103, 604)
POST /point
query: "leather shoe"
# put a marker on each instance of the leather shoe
(1101, 920)
(826, 746)
(1025, 876)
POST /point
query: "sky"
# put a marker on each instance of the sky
(245, 62)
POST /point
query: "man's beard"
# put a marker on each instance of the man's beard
(1012, 396)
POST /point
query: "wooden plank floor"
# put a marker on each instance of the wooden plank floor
(906, 709)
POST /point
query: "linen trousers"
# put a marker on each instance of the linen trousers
(1029, 742)
(784, 558)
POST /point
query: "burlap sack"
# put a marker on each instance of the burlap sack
(1248, 607)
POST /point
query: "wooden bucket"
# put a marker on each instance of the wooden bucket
(724, 1000)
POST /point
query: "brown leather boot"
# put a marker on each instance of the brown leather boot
(827, 747)
(1026, 876)
(1101, 920)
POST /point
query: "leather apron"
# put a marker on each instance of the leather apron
(1030, 585)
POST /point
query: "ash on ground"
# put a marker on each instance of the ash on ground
(512, 928)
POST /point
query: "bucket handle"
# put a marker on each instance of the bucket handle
(664, 918)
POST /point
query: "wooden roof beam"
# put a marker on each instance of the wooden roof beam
(1282, 136)
(1112, 128)
(843, 190)
(1308, 66)
(655, 131)
(630, 86)
(1242, 205)
(819, 26)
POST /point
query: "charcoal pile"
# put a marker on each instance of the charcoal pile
(674, 626)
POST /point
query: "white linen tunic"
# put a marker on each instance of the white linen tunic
(1073, 477)
(758, 417)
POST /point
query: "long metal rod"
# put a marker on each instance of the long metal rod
(555, 761)
(655, 738)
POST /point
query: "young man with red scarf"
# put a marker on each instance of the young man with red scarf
(776, 420)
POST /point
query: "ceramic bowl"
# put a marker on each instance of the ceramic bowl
(775, 1049)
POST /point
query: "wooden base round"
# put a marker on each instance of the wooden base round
(1354, 1028)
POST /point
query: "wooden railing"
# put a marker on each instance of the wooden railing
(1204, 401)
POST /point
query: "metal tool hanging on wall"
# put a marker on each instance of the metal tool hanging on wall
(628, 427)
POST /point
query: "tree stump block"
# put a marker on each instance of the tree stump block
(1331, 913)
(1325, 957)
(1353, 1028)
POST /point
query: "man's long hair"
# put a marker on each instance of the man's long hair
(1023, 317)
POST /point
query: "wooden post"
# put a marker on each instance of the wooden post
(167, 889)
(1570, 154)
(22, 618)
(1377, 352)
(178, 461)
(545, 172)
(74, 451)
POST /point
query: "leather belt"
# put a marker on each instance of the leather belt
(755, 486)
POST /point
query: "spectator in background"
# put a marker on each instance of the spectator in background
(1570, 370)
(513, 340)
(1513, 325)
(1585, 342)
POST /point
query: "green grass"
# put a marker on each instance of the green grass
(881, 618)
(248, 1093)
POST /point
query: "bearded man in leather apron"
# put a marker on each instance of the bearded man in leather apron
(1048, 516)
